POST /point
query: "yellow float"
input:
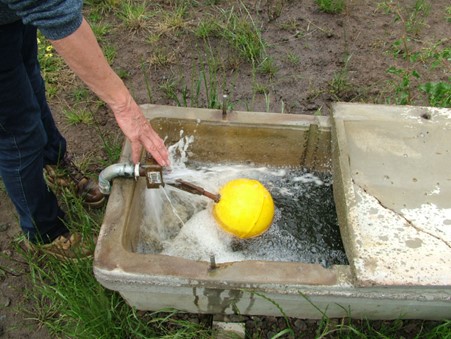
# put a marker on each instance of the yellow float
(245, 209)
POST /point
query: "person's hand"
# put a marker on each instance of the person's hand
(139, 132)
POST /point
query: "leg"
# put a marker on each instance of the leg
(23, 139)
(55, 148)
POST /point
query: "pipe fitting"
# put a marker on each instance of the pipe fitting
(116, 170)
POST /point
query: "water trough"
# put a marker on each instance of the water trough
(392, 191)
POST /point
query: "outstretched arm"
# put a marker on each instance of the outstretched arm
(82, 53)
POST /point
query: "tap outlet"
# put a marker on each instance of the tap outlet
(153, 175)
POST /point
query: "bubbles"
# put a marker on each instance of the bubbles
(304, 228)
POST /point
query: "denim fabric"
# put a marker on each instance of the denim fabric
(29, 138)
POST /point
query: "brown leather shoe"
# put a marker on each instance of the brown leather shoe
(68, 246)
(66, 174)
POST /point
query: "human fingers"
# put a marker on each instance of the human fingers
(156, 147)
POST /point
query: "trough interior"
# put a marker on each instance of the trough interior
(306, 147)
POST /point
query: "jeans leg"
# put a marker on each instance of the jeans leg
(23, 139)
(55, 147)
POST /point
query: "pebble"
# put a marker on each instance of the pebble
(4, 300)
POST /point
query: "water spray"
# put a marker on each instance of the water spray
(243, 207)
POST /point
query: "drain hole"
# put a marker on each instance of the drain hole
(426, 116)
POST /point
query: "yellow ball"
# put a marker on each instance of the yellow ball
(246, 208)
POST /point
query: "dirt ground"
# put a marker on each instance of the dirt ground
(319, 58)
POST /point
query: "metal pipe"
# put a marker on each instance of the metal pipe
(116, 170)
(224, 106)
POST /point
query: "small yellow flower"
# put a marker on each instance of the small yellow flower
(49, 48)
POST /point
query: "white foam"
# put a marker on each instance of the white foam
(186, 226)
(200, 238)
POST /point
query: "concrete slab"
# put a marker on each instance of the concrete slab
(393, 175)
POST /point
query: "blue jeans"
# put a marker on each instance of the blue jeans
(29, 138)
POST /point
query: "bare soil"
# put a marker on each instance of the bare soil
(320, 59)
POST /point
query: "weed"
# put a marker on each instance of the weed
(110, 53)
(206, 29)
(412, 20)
(291, 25)
(331, 6)
(100, 30)
(340, 88)
(112, 147)
(438, 93)
(416, 19)
(448, 14)
(172, 20)
(437, 55)
(122, 73)
(289, 329)
(293, 58)
(169, 88)
(267, 102)
(161, 58)
(233, 62)
(403, 87)
(243, 35)
(268, 67)
(134, 16)
(260, 88)
(319, 111)
(202, 91)
(75, 117)
(81, 94)
(442, 330)
(50, 63)
(101, 7)
(153, 38)
(274, 9)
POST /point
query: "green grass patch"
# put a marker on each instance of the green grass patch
(438, 93)
(241, 32)
(331, 6)
(135, 16)
(76, 116)
(268, 67)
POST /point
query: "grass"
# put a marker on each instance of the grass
(75, 117)
(331, 6)
(406, 83)
(239, 29)
(438, 93)
(70, 303)
(134, 16)
(293, 58)
(412, 19)
(171, 21)
(51, 65)
(268, 67)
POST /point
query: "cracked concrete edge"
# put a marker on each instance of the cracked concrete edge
(342, 189)
(346, 202)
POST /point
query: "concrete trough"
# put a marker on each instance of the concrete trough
(399, 263)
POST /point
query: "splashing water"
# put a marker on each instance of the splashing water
(180, 224)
